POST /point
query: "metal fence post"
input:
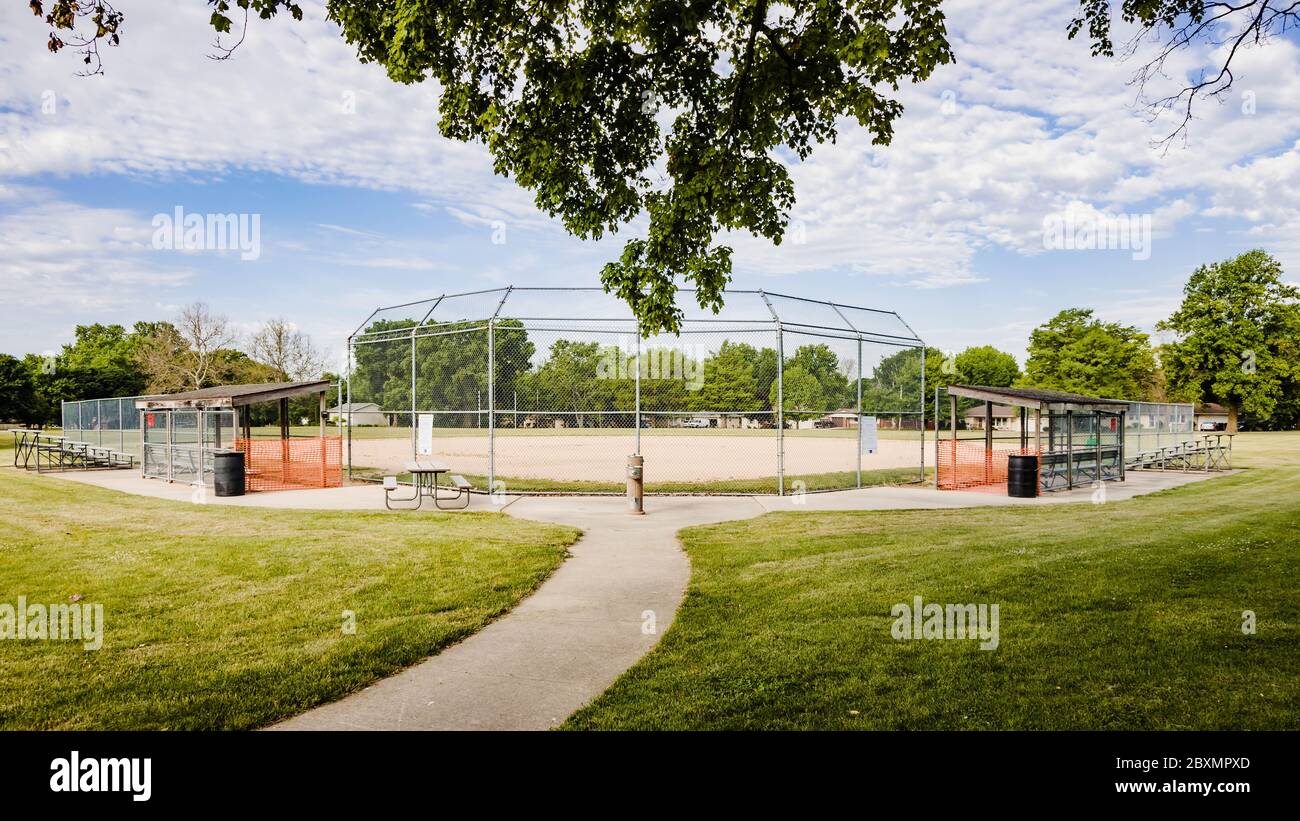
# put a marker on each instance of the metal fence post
(347, 408)
(859, 411)
(414, 448)
(1096, 438)
(171, 444)
(492, 417)
(1120, 442)
(936, 421)
(780, 411)
(202, 422)
(1069, 449)
(936, 436)
(637, 377)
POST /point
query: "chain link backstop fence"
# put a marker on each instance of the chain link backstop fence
(548, 390)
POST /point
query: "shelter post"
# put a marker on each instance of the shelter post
(1120, 442)
(1069, 449)
(988, 441)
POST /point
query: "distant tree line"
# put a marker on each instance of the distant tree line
(197, 349)
(1235, 340)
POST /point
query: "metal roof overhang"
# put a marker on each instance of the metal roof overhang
(1035, 399)
(231, 396)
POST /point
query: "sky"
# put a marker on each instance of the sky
(360, 203)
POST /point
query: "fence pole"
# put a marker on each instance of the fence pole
(936, 437)
(859, 411)
(1069, 449)
(1120, 439)
(171, 455)
(780, 411)
(637, 378)
(348, 407)
(1096, 437)
(414, 454)
(201, 421)
(492, 420)
(936, 424)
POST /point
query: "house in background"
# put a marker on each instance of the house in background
(363, 414)
(1004, 418)
(1211, 416)
(842, 418)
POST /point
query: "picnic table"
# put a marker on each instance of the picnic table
(424, 479)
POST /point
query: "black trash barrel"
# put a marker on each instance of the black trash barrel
(228, 473)
(1022, 476)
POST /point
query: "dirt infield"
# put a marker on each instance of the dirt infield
(603, 456)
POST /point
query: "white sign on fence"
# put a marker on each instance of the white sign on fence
(867, 426)
(424, 435)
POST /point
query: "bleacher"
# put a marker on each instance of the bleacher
(34, 450)
(1205, 453)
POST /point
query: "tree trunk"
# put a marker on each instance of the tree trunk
(1232, 417)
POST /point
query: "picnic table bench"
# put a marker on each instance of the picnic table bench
(424, 479)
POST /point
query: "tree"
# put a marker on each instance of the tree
(986, 365)
(573, 379)
(566, 95)
(820, 361)
(1238, 337)
(1222, 30)
(802, 397)
(18, 400)
(287, 350)
(895, 385)
(729, 383)
(181, 356)
(102, 361)
(1075, 352)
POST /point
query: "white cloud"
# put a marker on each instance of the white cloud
(1025, 124)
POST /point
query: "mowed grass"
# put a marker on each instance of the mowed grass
(810, 482)
(219, 617)
(1123, 615)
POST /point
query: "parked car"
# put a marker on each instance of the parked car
(695, 423)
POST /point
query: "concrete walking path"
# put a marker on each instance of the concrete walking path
(601, 611)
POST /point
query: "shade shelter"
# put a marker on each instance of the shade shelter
(182, 432)
(1079, 440)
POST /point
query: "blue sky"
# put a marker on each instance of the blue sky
(361, 203)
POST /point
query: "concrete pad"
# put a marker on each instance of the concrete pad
(911, 497)
(594, 618)
(359, 496)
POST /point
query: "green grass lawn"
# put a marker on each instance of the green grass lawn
(767, 485)
(219, 617)
(1122, 615)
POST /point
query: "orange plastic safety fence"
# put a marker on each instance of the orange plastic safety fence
(292, 464)
(970, 465)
